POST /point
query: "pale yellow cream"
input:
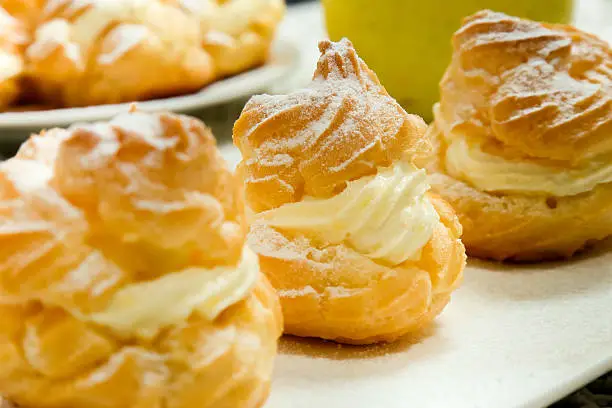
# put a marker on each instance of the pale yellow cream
(386, 217)
(487, 172)
(143, 309)
(492, 173)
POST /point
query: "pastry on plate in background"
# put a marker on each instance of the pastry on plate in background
(236, 33)
(96, 52)
(522, 138)
(93, 52)
(343, 223)
(124, 278)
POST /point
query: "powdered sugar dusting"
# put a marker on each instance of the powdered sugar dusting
(296, 293)
(148, 126)
(338, 128)
(121, 40)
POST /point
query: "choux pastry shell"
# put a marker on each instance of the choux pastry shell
(347, 266)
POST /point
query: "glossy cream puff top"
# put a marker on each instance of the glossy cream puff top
(334, 160)
(526, 107)
(134, 224)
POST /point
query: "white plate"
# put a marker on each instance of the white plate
(284, 56)
(512, 337)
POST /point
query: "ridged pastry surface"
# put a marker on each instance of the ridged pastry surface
(236, 33)
(117, 50)
(522, 137)
(310, 161)
(124, 279)
(311, 142)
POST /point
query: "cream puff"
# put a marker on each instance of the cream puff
(522, 138)
(236, 33)
(343, 223)
(97, 52)
(124, 278)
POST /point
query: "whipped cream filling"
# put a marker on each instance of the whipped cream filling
(487, 172)
(385, 217)
(143, 309)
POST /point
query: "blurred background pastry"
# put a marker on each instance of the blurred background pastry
(93, 52)
(236, 33)
(523, 137)
(97, 52)
(124, 280)
(342, 222)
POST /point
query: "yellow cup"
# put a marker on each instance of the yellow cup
(407, 42)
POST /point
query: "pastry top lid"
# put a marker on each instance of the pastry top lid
(343, 126)
(91, 208)
(541, 90)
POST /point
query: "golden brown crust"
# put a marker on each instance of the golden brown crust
(530, 93)
(340, 128)
(225, 363)
(544, 91)
(126, 201)
(343, 127)
(172, 193)
(150, 50)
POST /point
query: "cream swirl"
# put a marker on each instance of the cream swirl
(386, 217)
(492, 173)
(144, 308)
(467, 161)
